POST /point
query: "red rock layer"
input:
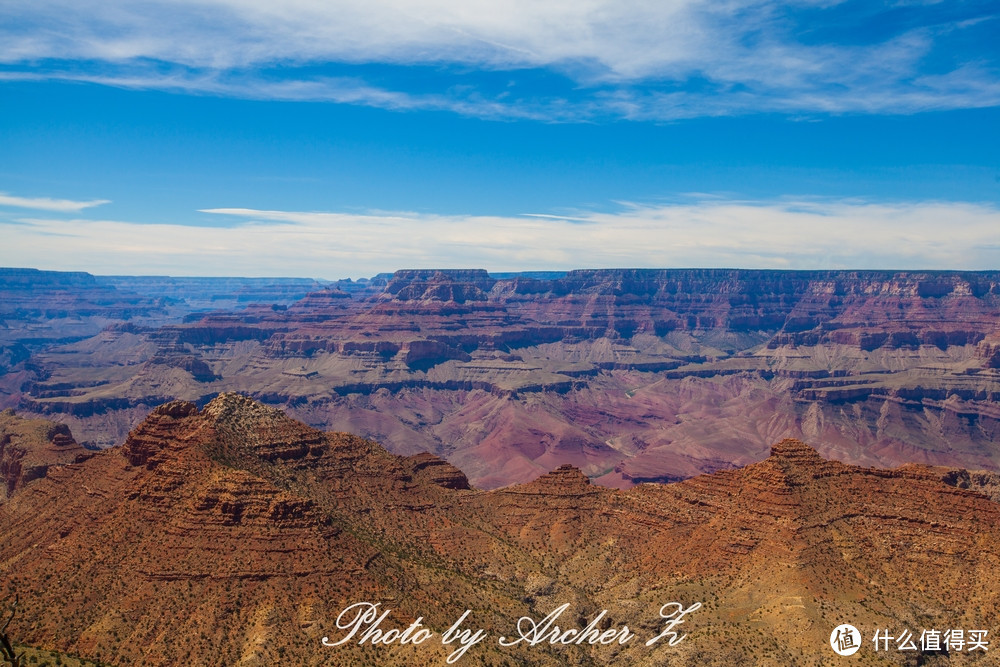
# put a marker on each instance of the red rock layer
(235, 535)
(29, 448)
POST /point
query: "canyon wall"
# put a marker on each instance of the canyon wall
(631, 375)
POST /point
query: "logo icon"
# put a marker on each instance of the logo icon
(845, 639)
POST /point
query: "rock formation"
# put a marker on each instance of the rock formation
(234, 535)
(630, 375)
(30, 447)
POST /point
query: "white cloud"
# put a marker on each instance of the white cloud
(625, 56)
(46, 204)
(789, 233)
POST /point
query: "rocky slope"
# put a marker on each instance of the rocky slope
(29, 448)
(233, 535)
(631, 375)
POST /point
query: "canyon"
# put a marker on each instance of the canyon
(233, 534)
(631, 376)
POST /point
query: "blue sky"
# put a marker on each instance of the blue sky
(335, 139)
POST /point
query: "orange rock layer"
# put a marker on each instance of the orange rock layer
(235, 535)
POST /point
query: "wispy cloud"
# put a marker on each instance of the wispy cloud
(46, 204)
(627, 58)
(801, 233)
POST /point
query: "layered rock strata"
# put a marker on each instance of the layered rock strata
(235, 535)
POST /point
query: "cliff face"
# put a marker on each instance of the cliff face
(235, 535)
(631, 375)
(455, 286)
(803, 306)
(49, 306)
(29, 448)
